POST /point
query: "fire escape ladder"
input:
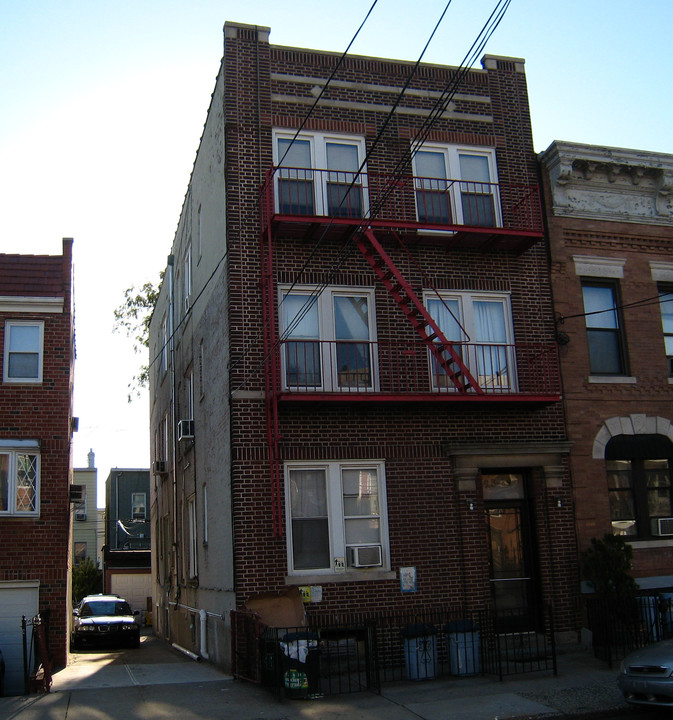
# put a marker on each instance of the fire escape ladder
(443, 351)
(271, 380)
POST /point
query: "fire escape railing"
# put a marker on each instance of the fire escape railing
(404, 370)
(407, 202)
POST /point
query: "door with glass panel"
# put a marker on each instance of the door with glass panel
(344, 186)
(513, 572)
(477, 199)
(295, 178)
(352, 348)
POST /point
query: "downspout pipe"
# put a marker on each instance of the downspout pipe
(202, 634)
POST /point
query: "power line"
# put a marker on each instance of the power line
(644, 302)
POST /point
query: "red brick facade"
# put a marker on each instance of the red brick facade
(610, 221)
(36, 545)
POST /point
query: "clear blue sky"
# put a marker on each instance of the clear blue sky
(103, 104)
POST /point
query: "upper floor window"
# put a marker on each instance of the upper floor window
(666, 305)
(336, 516)
(138, 506)
(604, 327)
(639, 485)
(327, 339)
(19, 482)
(480, 324)
(456, 186)
(319, 175)
(23, 351)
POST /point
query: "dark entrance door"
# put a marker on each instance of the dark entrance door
(513, 575)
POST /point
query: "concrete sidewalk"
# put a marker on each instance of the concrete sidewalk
(172, 687)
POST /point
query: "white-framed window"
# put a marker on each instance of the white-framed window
(336, 516)
(163, 364)
(456, 185)
(138, 506)
(19, 479)
(480, 324)
(319, 174)
(192, 570)
(327, 339)
(24, 347)
(187, 277)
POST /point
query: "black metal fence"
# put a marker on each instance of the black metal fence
(328, 658)
(619, 626)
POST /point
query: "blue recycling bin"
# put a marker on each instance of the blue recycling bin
(420, 651)
(462, 644)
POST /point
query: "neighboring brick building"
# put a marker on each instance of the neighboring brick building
(36, 334)
(335, 400)
(610, 216)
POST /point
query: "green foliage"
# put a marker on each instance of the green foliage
(87, 579)
(606, 565)
(133, 317)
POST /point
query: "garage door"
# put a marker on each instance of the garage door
(16, 599)
(134, 587)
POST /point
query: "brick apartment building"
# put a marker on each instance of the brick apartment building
(36, 334)
(610, 216)
(354, 378)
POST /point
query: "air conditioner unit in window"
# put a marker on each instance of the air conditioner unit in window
(364, 556)
(185, 430)
(662, 526)
(159, 467)
(80, 514)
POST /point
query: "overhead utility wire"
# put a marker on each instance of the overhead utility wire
(301, 127)
(438, 109)
(441, 104)
(645, 302)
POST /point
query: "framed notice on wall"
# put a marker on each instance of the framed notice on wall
(408, 579)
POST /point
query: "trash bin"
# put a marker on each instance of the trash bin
(420, 651)
(300, 664)
(462, 643)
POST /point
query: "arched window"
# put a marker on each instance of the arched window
(639, 485)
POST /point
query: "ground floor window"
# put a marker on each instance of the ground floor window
(336, 516)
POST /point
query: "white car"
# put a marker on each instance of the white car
(646, 675)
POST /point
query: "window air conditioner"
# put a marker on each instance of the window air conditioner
(159, 467)
(185, 430)
(662, 526)
(80, 514)
(364, 556)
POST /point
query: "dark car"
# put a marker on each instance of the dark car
(104, 620)
(2, 675)
(646, 675)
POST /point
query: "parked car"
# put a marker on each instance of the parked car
(2, 675)
(104, 620)
(646, 675)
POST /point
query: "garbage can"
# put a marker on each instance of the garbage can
(420, 651)
(300, 664)
(462, 643)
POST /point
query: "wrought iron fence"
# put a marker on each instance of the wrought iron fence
(329, 658)
(620, 626)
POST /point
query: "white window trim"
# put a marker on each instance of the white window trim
(25, 323)
(465, 299)
(13, 449)
(451, 155)
(326, 337)
(318, 145)
(336, 518)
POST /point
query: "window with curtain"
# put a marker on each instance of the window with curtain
(334, 508)
(666, 305)
(456, 186)
(480, 328)
(19, 481)
(327, 339)
(320, 174)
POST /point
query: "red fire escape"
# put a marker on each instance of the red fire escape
(293, 216)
